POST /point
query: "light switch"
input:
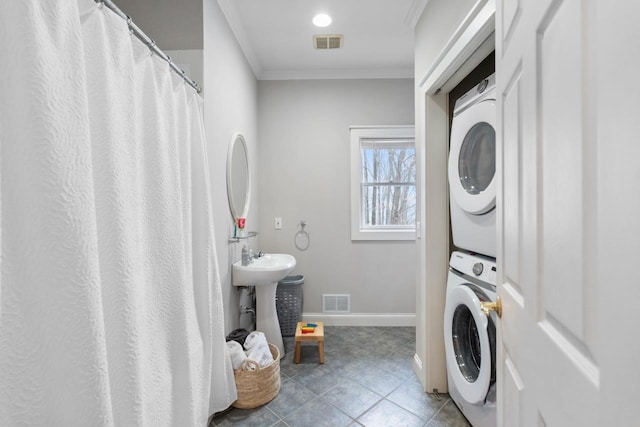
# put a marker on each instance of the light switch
(278, 223)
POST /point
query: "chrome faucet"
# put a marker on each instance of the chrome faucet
(248, 255)
(254, 255)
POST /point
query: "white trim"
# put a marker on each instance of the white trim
(472, 62)
(417, 366)
(368, 127)
(431, 107)
(362, 319)
(415, 12)
(476, 27)
(374, 132)
(337, 73)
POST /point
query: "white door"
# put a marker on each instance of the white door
(569, 212)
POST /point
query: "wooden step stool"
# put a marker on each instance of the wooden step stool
(316, 335)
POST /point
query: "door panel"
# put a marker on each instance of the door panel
(548, 371)
(510, 13)
(513, 388)
(561, 168)
(512, 182)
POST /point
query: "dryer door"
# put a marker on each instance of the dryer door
(467, 344)
(472, 158)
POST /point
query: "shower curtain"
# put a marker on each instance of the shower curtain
(110, 300)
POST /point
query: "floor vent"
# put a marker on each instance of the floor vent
(328, 41)
(336, 303)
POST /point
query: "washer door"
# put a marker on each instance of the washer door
(467, 344)
(472, 158)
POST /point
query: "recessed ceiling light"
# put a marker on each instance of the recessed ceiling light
(322, 20)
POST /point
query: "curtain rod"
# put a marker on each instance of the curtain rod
(149, 42)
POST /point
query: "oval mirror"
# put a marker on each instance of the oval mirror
(238, 180)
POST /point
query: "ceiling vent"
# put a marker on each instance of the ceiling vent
(328, 41)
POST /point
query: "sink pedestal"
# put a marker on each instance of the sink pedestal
(264, 273)
(267, 316)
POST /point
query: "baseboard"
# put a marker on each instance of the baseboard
(417, 363)
(362, 319)
(417, 368)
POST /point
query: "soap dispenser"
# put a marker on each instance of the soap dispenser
(245, 256)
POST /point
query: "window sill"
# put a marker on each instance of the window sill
(383, 235)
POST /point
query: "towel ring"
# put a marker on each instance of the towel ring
(302, 239)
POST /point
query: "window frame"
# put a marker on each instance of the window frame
(368, 133)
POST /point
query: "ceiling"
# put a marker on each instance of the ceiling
(277, 37)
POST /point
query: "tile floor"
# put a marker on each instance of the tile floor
(367, 380)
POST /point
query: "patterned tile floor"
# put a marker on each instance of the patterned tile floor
(366, 380)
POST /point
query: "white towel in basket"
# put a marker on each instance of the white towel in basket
(238, 356)
(258, 349)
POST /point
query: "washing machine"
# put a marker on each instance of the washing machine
(471, 169)
(470, 337)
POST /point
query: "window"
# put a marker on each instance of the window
(383, 183)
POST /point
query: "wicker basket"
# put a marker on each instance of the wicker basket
(260, 386)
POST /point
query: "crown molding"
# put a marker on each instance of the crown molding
(415, 12)
(354, 73)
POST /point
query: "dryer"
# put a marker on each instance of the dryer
(471, 170)
(470, 337)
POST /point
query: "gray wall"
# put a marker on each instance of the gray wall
(172, 24)
(304, 173)
(230, 105)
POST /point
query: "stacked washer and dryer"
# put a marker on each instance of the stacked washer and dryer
(470, 335)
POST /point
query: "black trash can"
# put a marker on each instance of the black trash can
(289, 304)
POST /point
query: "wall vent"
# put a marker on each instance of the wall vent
(328, 41)
(336, 303)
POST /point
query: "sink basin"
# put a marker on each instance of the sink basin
(265, 270)
(264, 273)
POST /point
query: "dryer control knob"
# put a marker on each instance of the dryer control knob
(477, 268)
(483, 85)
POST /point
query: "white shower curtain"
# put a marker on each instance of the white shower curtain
(110, 300)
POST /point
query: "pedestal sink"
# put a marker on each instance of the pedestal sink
(264, 273)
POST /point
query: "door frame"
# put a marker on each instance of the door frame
(472, 41)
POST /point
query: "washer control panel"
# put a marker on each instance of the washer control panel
(480, 267)
(483, 90)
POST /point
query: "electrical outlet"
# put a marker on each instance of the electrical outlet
(278, 223)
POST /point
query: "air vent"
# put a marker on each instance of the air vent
(328, 41)
(336, 303)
